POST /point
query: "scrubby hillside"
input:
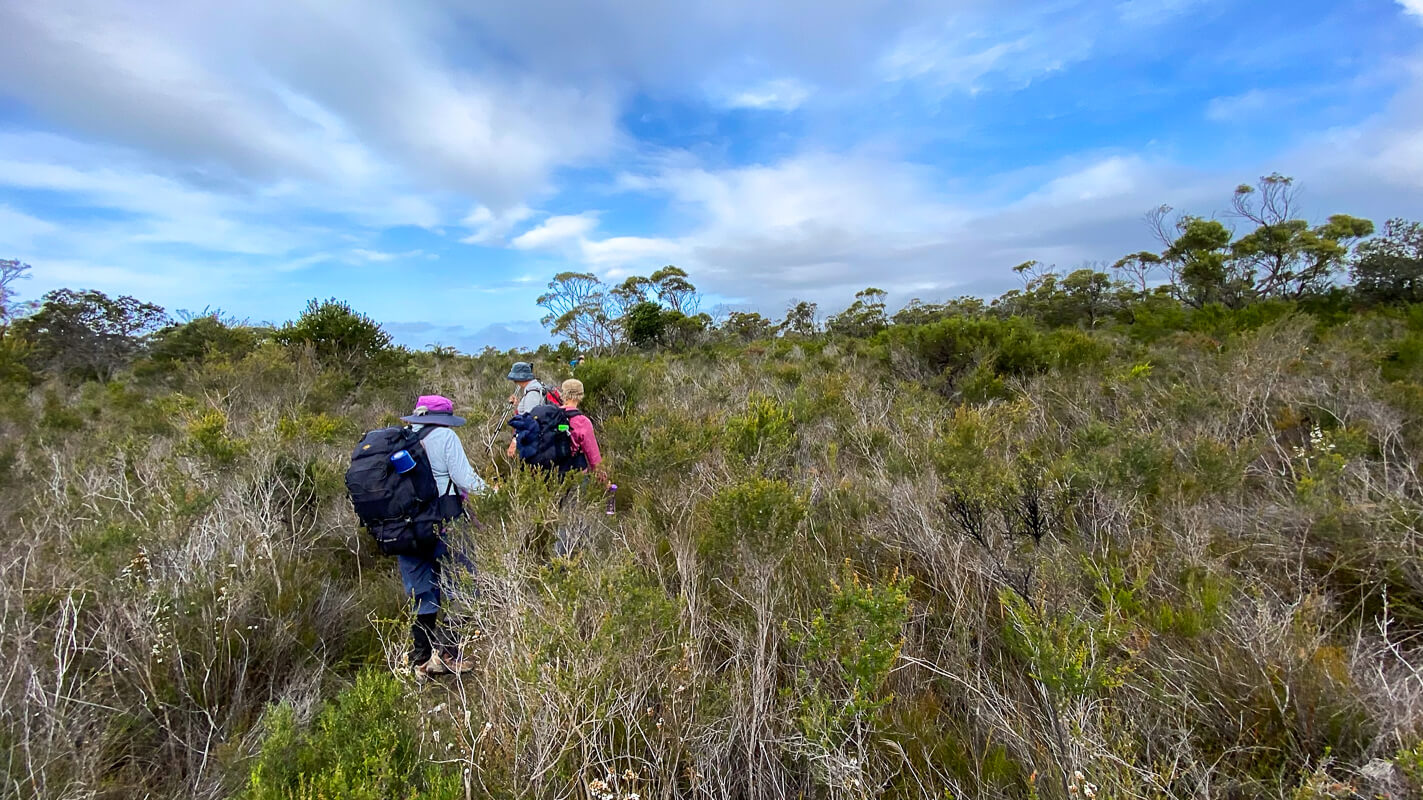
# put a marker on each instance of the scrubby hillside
(1095, 539)
(976, 557)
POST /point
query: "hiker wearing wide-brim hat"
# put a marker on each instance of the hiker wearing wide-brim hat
(528, 392)
(425, 576)
(434, 410)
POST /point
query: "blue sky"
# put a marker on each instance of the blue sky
(435, 162)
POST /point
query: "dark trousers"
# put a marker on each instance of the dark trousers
(426, 585)
(428, 635)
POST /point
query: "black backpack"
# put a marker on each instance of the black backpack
(551, 447)
(400, 510)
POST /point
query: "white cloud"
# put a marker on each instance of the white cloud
(1414, 7)
(556, 231)
(18, 230)
(1114, 176)
(489, 227)
(821, 226)
(267, 92)
(616, 252)
(1236, 107)
(779, 95)
(381, 255)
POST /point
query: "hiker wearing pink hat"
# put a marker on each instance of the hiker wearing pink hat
(423, 574)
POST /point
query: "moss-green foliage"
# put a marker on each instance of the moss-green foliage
(757, 517)
(614, 385)
(201, 338)
(363, 744)
(1409, 761)
(764, 436)
(211, 438)
(352, 344)
(320, 427)
(1068, 651)
(850, 646)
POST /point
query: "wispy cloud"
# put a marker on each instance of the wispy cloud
(785, 94)
(380, 255)
(1234, 108)
(556, 231)
(490, 227)
(253, 153)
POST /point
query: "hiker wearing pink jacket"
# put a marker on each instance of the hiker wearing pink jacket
(580, 428)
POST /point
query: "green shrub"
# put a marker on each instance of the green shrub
(757, 515)
(320, 427)
(850, 646)
(349, 342)
(209, 436)
(1068, 652)
(612, 386)
(362, 745)
(202, 338)
(765, 435)
(1409, 761)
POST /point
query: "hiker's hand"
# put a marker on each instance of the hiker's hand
(513, 445)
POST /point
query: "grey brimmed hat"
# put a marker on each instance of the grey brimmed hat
(432, 409)
(521, 371)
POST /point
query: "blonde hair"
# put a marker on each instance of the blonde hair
(572, 389)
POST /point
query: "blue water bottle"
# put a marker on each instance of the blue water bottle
(612, 506)
(402, 461)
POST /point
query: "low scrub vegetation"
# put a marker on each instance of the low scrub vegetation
(1037, 548)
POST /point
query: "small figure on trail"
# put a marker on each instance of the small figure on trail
(555, 435)
(528, 394)
(586, 455)
(406, 484)
(556, 439)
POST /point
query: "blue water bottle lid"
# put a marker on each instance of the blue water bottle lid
(402, 461)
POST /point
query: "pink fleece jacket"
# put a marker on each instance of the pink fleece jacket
(580, 429)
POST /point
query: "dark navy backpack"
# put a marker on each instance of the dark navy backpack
(401, 510)
(544, 438)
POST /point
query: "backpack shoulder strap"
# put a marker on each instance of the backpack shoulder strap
(420, 437)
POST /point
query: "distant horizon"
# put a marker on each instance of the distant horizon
(435, 164)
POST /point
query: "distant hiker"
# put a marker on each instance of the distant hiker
(585, 445)
(556, 439)
(585, 456)
(528, 394)
(406, 484)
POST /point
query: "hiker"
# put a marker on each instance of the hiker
(580, 429)
(585, 457)
(424, 574)
(528, 392)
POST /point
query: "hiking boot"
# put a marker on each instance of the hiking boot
(445, 665)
